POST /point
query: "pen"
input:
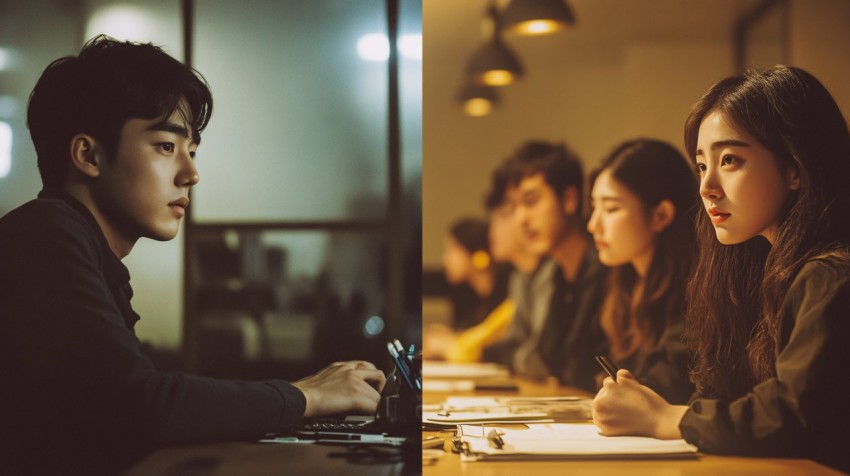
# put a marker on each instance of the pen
(400, 365)
(407, 361)
(609, 366)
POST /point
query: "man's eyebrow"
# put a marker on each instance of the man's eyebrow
(726, 143)
(173, 127)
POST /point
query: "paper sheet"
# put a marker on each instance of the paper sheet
(567, 440)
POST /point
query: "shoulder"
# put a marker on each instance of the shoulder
(825, 273)
(821, 286)
(43, 224)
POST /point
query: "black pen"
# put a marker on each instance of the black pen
(609, 366)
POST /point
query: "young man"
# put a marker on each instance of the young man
(115, 130)
(555, 331)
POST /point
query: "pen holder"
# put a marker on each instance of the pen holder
(400, 408)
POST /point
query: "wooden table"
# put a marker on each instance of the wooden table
(705, 465)
(260, 459)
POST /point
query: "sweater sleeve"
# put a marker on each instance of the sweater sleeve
(665, 368)
(82, 371)
(802, 411)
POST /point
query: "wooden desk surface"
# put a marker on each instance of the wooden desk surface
(261, 459)
(706, 465)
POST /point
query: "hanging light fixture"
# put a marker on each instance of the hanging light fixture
(494, 64)
(477, 100)
(537, 17)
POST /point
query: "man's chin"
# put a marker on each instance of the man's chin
(165, 234)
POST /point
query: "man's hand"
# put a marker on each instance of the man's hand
(342, 387)
(626, 407)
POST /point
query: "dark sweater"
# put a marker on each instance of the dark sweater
(80, 396)
(803, 411)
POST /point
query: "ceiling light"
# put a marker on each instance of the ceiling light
(494, 64)
(477, 100)
(536, 17)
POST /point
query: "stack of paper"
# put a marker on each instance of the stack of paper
(467, 371)
(563, 440)
(460, 410)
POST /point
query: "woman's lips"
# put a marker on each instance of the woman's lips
(718, 216)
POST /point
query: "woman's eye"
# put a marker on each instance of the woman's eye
(167, 147)
(729, 160)
(700, 168)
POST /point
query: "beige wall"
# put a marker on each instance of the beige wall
(819, 42)
(590, 95)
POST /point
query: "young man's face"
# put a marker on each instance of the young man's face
(143, 190)
(539, 213)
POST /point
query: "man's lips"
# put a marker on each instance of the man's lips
(179, 206)
(182, 202)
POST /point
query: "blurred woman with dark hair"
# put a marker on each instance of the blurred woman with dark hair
(644, 197)
(769, 303)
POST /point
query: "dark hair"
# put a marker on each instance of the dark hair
(495, 197)
(472, 234)
(560, 167)
(654, 171)
(736, 291)
(96, 93)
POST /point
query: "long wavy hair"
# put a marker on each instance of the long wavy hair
(654, 171)
(736, 291)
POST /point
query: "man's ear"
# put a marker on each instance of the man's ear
(662, 215)
(86, 155)
(569, 201)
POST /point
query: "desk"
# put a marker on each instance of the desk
(261, 459)
(705, 465)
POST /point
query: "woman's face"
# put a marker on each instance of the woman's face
(620, 225)
(742, 187)
(457, 262)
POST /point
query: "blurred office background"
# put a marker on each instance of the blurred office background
(625, 68)
(303, 244)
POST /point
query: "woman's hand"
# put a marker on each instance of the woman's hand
(626, 407)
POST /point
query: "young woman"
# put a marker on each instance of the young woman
(769, 302)
(644, 198)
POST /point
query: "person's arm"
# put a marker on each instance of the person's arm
(800, 412)
(87, 370)
(665, 367)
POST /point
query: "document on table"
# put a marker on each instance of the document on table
(467, 371)
(499, 409)
(562, 441)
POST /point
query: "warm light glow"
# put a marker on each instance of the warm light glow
(5, 149)
(123, 22)
(373, 47)
(480, 259)
(478, 107)
(497, 77)
(538, 27)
